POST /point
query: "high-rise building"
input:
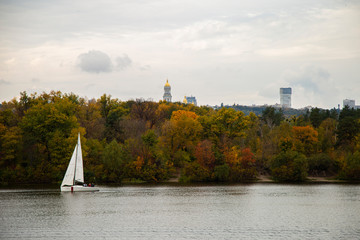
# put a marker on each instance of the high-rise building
(285, 97)
(349, 102)
(167, 92)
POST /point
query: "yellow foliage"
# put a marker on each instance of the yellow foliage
(139, 163)
(177, 115)
(232, 156)
(305, 139)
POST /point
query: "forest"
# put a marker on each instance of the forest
(146, 141)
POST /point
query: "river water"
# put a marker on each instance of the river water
(257, 211)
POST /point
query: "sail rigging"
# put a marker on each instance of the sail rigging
(74, 173)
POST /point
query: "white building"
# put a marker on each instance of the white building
(285, 97)
(167, 92)
(190, 100)
(349, 102)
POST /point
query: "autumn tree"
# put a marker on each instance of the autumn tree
(89, 117)
(145, 110)
(252, 133)
(351, 167)
(327, 130)
(241, 163)
(38, 133)
(148, 162)
(305, 139)
(45, 122)
(204, 154)
(227, 125)
(182, 132)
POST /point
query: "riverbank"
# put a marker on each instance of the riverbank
(175, 180)
(268, 179)
(310, 179)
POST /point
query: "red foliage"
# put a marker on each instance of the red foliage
(205, 155)
(247, 158)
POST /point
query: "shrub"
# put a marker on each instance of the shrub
(194, 172)
(351, 168)
(221, 173)
(289, 166)
(240, 174)
(322, 164)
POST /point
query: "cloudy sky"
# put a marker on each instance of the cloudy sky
(219, 51)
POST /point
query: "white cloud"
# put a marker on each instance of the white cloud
(313, 86)
(3, 82)
(123, 62)
(95, 62)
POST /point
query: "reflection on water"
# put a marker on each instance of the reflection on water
(262, 211)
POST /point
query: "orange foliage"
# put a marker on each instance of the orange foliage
(305, 139)
(232, 156)
(205, 155)
(247, 157)
(176, 115)
(139, 163)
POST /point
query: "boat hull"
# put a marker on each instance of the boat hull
(79, 188)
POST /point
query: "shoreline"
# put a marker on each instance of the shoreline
(261, 179)
(310, 179)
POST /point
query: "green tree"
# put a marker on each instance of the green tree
(194, 172)
(227, 126)
(351, 167)
(272, 117)
(222, 173)
(322, 164)
(327, 130)
(113, 159)
(289, 166)
(93, 164)
(348, 128)
(315, 117)
(45, 121)
(10, 147)
(113, 112)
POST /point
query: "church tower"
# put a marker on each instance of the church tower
(167, 92)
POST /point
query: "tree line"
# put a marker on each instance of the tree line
(154, 141)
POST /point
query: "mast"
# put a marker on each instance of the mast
(77, 147)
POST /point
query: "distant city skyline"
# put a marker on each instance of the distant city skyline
(227, 52)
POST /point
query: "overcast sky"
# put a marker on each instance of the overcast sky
(227, 52)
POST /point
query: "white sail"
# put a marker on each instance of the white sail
(70, 171)
(74, 176)
(79, 171)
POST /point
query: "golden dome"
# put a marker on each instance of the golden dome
(185, 100)
(167, 83)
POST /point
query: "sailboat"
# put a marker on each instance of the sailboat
(74, 177)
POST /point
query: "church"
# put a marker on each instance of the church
(167, 95)
(167, 92)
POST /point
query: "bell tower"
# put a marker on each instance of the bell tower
(167, 92)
